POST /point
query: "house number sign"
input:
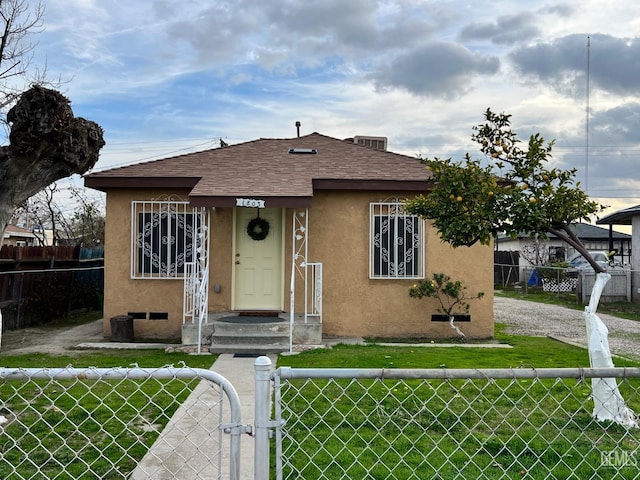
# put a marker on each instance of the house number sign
(249, 202)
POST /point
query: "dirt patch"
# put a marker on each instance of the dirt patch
(50, 340)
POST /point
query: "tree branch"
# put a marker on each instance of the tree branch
(565, 233)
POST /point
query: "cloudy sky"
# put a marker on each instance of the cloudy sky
(165, 77)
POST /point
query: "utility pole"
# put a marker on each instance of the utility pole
(588, 112)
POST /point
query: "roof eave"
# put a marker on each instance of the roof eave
(221, 201)
(104, 183)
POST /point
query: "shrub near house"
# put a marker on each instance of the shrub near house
(450, 294)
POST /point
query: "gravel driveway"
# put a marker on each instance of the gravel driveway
(531, 318)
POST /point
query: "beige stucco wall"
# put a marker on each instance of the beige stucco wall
(121, 293)
(353, 305)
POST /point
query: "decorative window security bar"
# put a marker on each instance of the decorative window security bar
(163, 238)
(119, 423)
(396, 248)
(437, 423)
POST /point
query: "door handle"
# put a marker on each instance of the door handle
(237, 262)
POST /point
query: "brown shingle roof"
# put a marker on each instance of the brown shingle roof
(265, 169)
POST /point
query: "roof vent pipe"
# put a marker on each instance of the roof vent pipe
(298, 128)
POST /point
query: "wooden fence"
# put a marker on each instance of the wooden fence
(39, 285)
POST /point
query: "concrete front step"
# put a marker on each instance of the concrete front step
(225, 338)
(246, 348)
(247, 329)
(267, 337)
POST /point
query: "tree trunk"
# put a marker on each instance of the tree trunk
(608, 403)
(455, 327)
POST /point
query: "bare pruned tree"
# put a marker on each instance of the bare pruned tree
(19, 20)
(535, 251)
(46, 141)
(71, 219)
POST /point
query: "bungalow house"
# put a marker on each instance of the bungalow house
(629, 216)
(532, 252)
(311, 225)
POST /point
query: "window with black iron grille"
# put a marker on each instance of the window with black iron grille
(164, 238)
(396, 242)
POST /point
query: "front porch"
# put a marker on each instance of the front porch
(229, 332)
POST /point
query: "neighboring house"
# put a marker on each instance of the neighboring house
(535, 252)
(18, 236)
(629, 216)
(218, 231)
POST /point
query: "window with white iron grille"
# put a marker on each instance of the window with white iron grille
(396, 242)
(163, 238)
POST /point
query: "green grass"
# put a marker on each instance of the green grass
(628, 310)
(539, 352)
(107, 358)
(415, 429)
(60, 429)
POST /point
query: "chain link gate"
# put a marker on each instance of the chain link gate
(116, 423)
(423, 424)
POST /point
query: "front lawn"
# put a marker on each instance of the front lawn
(419, 429)
(84, 428)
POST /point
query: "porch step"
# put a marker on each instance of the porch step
(247, 329)
(255, 338)
(268, 337)
(248, 348)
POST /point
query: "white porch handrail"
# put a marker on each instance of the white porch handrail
(310, 272)
(196, 279)
(313, 307)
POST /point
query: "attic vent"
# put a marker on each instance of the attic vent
(378, 143)
(303, 151)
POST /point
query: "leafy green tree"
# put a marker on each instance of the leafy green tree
(513, 189)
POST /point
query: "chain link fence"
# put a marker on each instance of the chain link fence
(117, 423)
(565, 281)
(443, 424)
(182, 423)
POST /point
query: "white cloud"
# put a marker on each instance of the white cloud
(418, 71)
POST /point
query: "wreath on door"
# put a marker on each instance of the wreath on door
(258, 228)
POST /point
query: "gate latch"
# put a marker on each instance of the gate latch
(236, 429)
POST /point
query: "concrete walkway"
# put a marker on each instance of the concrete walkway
(240, 372)
(172, 455)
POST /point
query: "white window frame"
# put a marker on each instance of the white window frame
(170, 239)
(390, 218)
